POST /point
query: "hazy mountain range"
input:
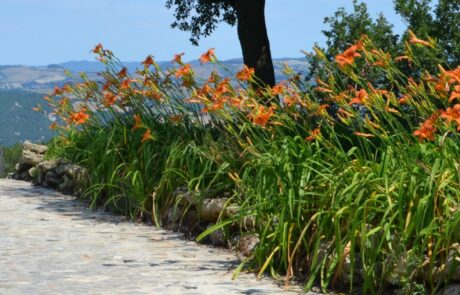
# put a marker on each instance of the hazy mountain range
(22, 87)
(43, 78)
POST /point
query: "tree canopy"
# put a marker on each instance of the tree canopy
(200, 18)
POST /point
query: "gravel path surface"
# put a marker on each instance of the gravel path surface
(52, 244)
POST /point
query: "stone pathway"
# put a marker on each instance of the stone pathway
(52, 244)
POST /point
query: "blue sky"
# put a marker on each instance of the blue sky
(38, 32)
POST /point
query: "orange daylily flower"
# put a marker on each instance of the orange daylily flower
(123, 73)
(314, 134)
(454, 75)
(57, 91)
(147, 135)
(414, 40)
(207, 56)
(442, 87)
(452, 114)
(178, 58)
(290, 100)
(236, 101)
(148, 61)
(109, 99)
(245, 74)
(126, 84)
(348, 56)
(137, 122)
(218, 101)
(361, 97)
(98, 48)
(262, 116)
(278, 89)
(185, 70)
(403, 99)
(106, 86)
(427, 129)
(79, 118)
(455, 94)
(223, 87)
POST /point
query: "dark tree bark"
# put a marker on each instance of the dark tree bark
(253, 36)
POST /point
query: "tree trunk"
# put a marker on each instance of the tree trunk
(252, 33)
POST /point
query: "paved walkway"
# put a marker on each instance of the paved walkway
(51, 244)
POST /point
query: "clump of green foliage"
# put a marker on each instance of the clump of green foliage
(10, 156)
(352, 182)
(426, 18)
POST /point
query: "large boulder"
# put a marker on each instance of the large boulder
(31, 158)
(42, 169)
(210, 209)
(51, 179)
(35, 148)
(33, 154)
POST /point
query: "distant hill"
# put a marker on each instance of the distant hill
(44, 78)
(18, 121)
(299, 65)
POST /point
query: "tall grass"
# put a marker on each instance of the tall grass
(353, 182)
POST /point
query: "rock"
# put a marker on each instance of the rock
(33, 154)
(217, 237)
(24, 175)
(51, 179)
(453, 263)
(35, 148)
(20, 167)
(67, 186)
(31, 158)
(189, 220)
(450, 269)
(247, 244)
(45, 166)
(174, 215)
(450, 290)
(33, 172)
(211, 209)
(74, 172)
